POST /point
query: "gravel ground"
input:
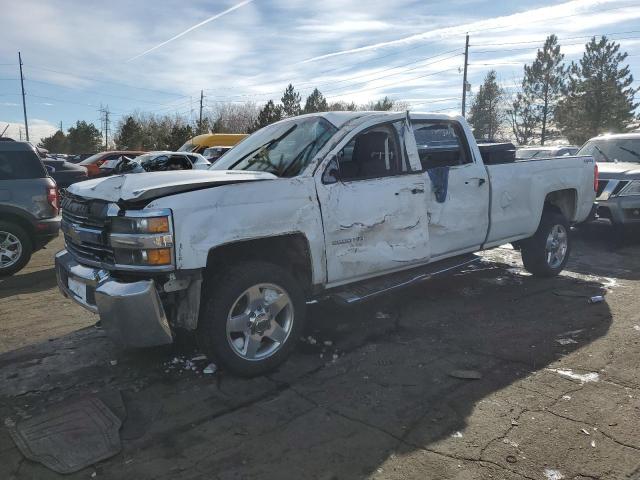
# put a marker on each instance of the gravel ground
(558, 397)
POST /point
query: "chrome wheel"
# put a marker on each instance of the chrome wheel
(260, 321)
(10, 249)
(557, 246)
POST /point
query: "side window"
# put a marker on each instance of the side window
(371, 154)
(440, 144)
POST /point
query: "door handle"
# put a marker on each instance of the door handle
(481, 181)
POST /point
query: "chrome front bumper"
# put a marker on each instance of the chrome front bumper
(131, 312)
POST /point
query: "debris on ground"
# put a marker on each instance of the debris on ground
(552, 474)
(585, 431)
(328, 343)
(210, 369)
(637, 328)
(198, 358)
(593, 443)
(113, 362)
(510, 442)
(382, 315)
(466, 374)
(597, 299)
(566, 397)
(514, 422)
(565, 341)
(69, 436)
(457, 435)
(582, 377)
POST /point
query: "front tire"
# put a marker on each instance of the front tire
(547, 252)
(251, 317)
(16, 248)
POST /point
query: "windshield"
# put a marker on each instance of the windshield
(613, 150)
(187, 147)
(92, 159)
(283, 148)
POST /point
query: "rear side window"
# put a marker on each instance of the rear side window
(440, 144)
(20, 166)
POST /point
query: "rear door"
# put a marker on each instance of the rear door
(373, 204)
(458, 207)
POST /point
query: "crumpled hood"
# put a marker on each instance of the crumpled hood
(147, 186)
(619, 171)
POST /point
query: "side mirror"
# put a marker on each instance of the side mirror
(332, 172)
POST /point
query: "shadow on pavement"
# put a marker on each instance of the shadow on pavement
(367, 384)
(29, 282)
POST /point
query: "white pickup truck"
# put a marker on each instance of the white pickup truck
(345, 205)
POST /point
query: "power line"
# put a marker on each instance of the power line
(559, 38)
(532, 47)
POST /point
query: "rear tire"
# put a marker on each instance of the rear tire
(547, 252)
(16, 248)
(251, 317)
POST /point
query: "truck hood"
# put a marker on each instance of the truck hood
(148, 186)
(619, 171)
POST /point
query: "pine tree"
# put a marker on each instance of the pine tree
(598, 95)
(291, 102)
(542, 87)
(485, 115)
(523, 120)
(316, 102)
(178, 136)
(84, 137)
(130, 135)
(385, 104)
(56, 143)
(270, 113)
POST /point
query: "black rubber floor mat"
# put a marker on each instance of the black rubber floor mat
(69, 437)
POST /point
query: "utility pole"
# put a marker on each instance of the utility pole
(200, 121)
(61, 125)
(464, 77)
(24, 103)
(104, 120)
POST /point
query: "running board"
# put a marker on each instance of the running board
(367, 289)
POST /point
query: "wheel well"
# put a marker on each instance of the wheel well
(20, 221)
(562, 201)
(289, 251)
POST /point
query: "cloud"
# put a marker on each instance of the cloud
(38, 129)
(190, 29)
(510, 22)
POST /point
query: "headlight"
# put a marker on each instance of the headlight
(633, 188)
(142, 238)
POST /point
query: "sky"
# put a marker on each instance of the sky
(157, 56)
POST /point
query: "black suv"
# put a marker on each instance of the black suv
(29, 214)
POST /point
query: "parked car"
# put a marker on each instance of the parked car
(546, 152)
(28, 206)
(94, 162)
(199, 143)
(340, 205)
(63, 172)
(618, 158)
(214, 153)
(155, 162)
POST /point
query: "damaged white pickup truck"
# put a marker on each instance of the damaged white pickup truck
(345, 205)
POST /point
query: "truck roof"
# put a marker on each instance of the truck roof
(340, 118)
(16, 147)
(624, 136)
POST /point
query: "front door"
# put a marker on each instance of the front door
(458, 208)
(373, 204)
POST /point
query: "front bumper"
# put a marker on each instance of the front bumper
(131, 312)
(621, 210)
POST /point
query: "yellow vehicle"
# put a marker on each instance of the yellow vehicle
(200, 142)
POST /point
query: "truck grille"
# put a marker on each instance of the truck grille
(84, 224)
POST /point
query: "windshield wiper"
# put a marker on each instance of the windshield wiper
(265, 145)
(632, 152)
(606, 158)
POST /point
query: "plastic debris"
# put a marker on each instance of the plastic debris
(566, 397)
(586, 432)
(466, 374)
(210, 369)
(565, 341)
(593, 443)
(457, 435)
(582, 377)
(113, 362)
(552, 474)
(197, 358)
(597, 299)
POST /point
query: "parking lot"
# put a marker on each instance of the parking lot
(389, 389)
